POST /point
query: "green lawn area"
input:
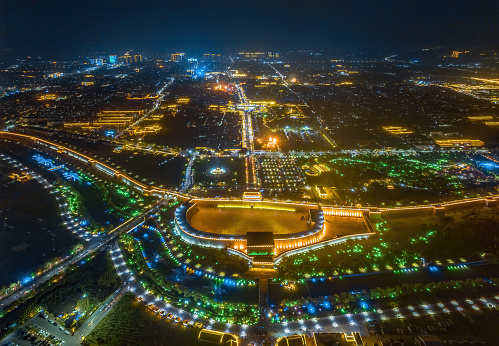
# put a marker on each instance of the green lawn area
(401, 241)
(413, 179)
(131, 323)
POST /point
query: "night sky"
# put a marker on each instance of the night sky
(270, 24)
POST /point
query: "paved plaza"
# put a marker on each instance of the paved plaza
(239, 221)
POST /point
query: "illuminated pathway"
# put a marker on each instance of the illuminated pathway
(347, 323)
(127, 277)
(67, 219)
(352, 322)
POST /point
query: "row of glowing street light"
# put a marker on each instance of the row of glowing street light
(353, 320)
(69, 222)
(127, 277)
(356, 320)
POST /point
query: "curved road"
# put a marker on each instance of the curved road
(92, 245)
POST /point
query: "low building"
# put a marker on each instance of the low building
(252, 196)
(292, 340)
(217, 338)
(339, 339)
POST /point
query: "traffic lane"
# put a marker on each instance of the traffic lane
(40, 280)
(93, 245)
(94, 320)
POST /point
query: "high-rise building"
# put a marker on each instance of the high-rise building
(137, 58)
(192, 66)
(126, 59)
(177, 57)
(252, 55)
(455, 54)
(112, 59)
(211, 57)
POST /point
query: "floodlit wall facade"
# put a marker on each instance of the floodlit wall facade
(185, 212)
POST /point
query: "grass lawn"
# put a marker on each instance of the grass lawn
(400, 242)
(131, 323)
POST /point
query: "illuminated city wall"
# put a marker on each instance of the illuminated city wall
(407, 211)
(184, 214)
(344, 212)
(297, 246)
(319, 245)
(197, 237)
(467, 204)
(247, 204)
(291, 242)
(490, 201)
(112, 172)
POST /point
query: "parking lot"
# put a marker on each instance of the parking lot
(46, 329)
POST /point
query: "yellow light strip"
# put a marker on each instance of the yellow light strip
(254, 207)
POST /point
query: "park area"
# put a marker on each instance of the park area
(131, 323)
(389, 180)
(402, 243)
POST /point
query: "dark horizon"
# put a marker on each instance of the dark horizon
(275, 25)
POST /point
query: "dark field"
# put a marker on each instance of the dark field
(31, 230)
